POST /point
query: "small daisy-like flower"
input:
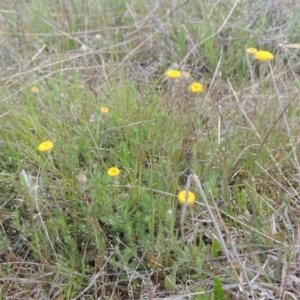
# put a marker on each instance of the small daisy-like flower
(113, 172)
(173, 74)
(251, 51)
(263, 55)
(196, 87)
(190, 197)
(35, 90)
(46, 147)
(104, 110)
(82, 178)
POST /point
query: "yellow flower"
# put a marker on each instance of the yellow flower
(113, 172)
(196, 87)
(190, 197)
(46, 146)
(263, 55)
(104, 110)
(35, 90)
(173, 74)
(251, 51)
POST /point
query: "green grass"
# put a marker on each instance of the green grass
(128, 237)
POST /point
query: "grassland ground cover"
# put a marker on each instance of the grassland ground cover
(147, 152)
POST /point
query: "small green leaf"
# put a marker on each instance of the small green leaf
(195, 276)
(218, 289)
(216, 247)
(170, 283)
(203, 295)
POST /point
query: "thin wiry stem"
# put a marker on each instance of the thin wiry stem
(214, 34)
(282, 110)
(184, 207)
(42, 221)
(216, 73)
(280, 104)
(227, 253)
(219, 125)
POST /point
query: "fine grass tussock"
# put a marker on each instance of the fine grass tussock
(148, 150)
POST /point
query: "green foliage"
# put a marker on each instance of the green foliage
(170, 283)
(216, 247)
(218, 289)
(123, 236)
(201, 294)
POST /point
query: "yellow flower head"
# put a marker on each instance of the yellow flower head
(251, 51)
(263, 55)
(196, 87)
(104, 110)
(190, 197)
(46, 146)
(113, 172)
(35, 90)
(173, 74)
